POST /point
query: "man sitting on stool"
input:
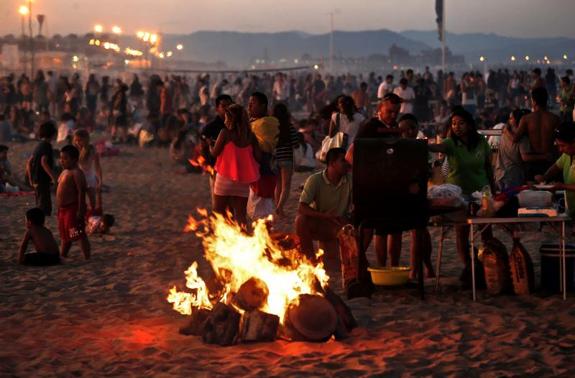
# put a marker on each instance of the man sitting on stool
(324, 204)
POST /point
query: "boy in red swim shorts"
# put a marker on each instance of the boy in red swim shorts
(71, 200)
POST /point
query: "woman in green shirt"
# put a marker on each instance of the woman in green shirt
(564, 166)
(469, 158)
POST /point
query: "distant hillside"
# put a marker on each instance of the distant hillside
(497, 48)
(239, 49)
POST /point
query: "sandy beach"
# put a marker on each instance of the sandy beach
(109, 316)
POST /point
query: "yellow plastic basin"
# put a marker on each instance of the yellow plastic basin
(393, 276)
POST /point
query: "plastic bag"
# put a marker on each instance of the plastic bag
(496, 267)
(447, 195)
(349, 255)
(522, 273)
(259, 207)
(328, 143)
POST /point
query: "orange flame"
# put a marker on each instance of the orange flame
(200, 162)
(235, 257)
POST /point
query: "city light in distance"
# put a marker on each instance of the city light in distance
(179, 46)
(98, 28)
(116, 29)
(513, 58)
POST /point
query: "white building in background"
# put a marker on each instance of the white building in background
(10, 57)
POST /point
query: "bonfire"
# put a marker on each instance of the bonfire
(265, 287)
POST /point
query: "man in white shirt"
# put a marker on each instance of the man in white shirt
(385, 87)
(280, 88)
(407, 96)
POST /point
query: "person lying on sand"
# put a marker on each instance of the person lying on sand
(44, 243)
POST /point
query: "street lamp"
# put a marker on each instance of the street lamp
(98, 28)
(116, 29)
(180, 46)
(527, 58)
(513, 58)
(565, 56)
(24, 11)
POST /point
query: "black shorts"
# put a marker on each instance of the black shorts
(41, 259)
(43, 198)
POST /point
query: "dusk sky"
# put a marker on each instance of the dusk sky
(529, 18)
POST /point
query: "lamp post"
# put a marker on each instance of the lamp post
(31, 39)
(23, 11)
(40, 18)
(483, 60)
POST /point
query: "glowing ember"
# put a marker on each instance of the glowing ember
(200, 162)
(237, 257)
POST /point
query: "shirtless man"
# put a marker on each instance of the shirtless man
(540, 127)
(71, 200)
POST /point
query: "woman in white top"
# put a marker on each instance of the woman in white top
(347, 120)
(89, 163)
(303, 156)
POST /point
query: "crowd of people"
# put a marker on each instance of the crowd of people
(244, 129)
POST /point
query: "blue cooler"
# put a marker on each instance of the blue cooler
(550, 266)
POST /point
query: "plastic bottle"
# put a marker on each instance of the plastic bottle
(486, 201)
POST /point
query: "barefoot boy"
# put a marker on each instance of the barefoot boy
(42, 239)
(40, 168)
(71, 200)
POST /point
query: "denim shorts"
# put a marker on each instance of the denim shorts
(284, 164)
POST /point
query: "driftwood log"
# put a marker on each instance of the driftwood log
(252, 295)
(310, 318)
(197, 322)
(222, 327)
(258, 326)
(345, 320)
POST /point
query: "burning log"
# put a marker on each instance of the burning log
(197, 322)
(222, 326)
(252, 295)
(345, 320)
(310, 318)
(259, 326)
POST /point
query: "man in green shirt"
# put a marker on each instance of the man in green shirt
(324, 204)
